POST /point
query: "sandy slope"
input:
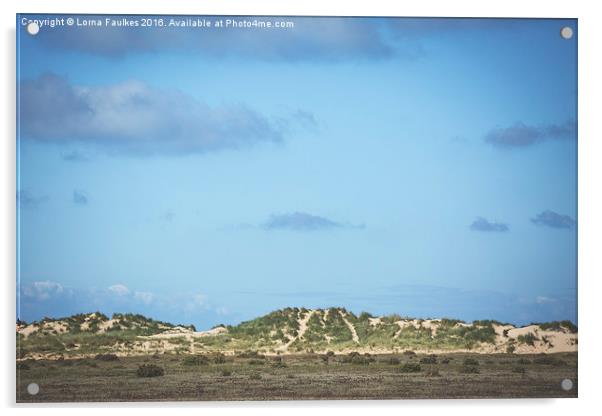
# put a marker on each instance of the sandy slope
(545, 341)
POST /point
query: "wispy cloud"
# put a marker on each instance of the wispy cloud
(167, 216)
(482, 224)
(144, 297)
(42, 290)
(522, 135)
(26, 199)
(301, 221)
(135, 118)
(552, 219)
(75, 156)
(119, 290)
(543, 300)
(80, 198)
(311, 39)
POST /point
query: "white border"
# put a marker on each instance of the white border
(590, 201)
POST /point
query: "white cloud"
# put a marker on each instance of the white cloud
(119, 290)
(42, 290)
(544, 300)
(135, 118)
(222, 310)
(145, 297)
(200, 299)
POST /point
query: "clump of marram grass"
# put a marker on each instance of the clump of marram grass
(150, 370)
(528, 339)
(410, 368)
(195, 360)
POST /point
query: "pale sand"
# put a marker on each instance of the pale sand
(557, 341)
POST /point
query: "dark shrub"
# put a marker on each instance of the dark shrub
(445, 361)
(251, 354)
(510, 349)
(193, 360)
(256, 362)
(22, 366)
(392, 361)
(279, 364)
(470, 361)
(409, 352)
(523, 361)
(432, 372)
(219, 358)
(430, 359)
(558, 326)
(226, 373)
(519, 370)
(469, 369)
(255, 376)
(106, 357)
(150, 370)
(528, 339)
(410, 368)
(548, 360)
(358, 359)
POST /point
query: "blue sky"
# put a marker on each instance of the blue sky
(425, 167)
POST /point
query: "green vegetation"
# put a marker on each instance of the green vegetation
(330, 329)
(558, 326)
(150, 370)
(106, 357)
(549, 360)
(528, 339)
(410, 368)
(470, 369)
(430, 359)
(195, 360)
(295, 376)
(470, 362)
(255, 376)
(519, 370)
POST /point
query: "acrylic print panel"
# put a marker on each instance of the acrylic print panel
(295, 208)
